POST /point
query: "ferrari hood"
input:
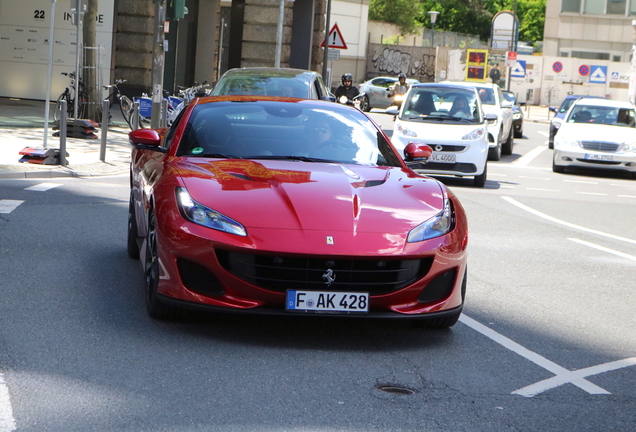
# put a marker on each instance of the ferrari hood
(313, 196)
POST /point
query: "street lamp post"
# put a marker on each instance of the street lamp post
(433, 15)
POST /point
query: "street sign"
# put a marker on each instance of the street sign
(335, 38)
(584, 70)
(511, 58)
(557, 66)
(333, 54)
(598, 74)
(519, 69)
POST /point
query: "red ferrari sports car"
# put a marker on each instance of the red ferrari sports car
(274, 205)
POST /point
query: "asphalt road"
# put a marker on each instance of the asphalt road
(547, 341)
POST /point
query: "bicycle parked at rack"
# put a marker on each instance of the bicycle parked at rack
(125, 103)
(69, 96)
(145, 107)
(187, 94)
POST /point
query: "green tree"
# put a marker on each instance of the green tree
(399, 12)
(461, 16)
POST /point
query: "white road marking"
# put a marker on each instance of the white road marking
(534, 178)
(543, 190)
(43, 187)
(591, 193)
(627, 196)
(497, 175)
(580, 181)
(528, 157)
(7, 206)
(7, 422)
(537, 359)
(571, 376)
(604, 249)
(567, 224)
(507, 187)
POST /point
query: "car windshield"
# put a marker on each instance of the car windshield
(244, 84)
(606, 115)
(509, 96)
(285, 131)
(487, 95)
(441, 104)
(565, 106)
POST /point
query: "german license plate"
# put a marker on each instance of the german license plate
(601, 157)
(326, 301)
(443, 158)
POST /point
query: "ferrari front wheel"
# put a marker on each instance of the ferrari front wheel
(154, 306)
(132, 247)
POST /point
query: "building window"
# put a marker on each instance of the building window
(616, 58)
(616, 7)
(590, 55)
(632, 7)
(564, 54)
(571, 6)
(594, 7)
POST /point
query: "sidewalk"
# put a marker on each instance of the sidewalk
(22, 125)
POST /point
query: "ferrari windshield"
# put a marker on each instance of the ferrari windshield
(442, 104)
(300, 131)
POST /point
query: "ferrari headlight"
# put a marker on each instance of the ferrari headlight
(436, 226)
(517, 116)
(474, 135)
(205, 216)
(405, 131)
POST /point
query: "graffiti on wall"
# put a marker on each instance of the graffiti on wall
(391, 61)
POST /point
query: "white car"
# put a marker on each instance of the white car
(432, 114)
(500, 132)
(376, 92)
(597, 133)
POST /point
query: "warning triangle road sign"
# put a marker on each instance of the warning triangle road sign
(335, 38)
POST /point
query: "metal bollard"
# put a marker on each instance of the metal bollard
(63, 121)
(135, 116)
(105, 115)
(164, 113)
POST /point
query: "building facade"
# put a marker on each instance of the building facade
(590, 29)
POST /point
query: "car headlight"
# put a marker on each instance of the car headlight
(564, 143)
(403, 130)
(474, 135)
(205, 216)
(517, 116)
(629, 147)
(438, 225)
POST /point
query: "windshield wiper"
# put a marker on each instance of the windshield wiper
(296, 158)
(216, 155)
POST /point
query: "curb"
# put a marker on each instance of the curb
(97, 169)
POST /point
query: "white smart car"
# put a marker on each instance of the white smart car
(449, 118)
(597, 133)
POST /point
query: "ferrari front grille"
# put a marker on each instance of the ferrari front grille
(280, 273)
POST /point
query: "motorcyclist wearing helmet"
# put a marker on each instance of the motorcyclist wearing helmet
(400, 87)
(346, 88)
